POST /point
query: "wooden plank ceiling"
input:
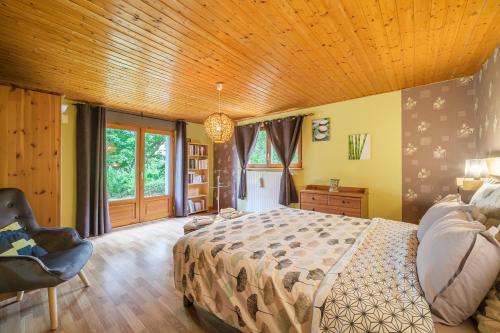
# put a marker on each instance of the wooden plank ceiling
(164, 56)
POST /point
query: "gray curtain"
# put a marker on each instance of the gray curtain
(245, 137)
(181, 170)
(284, 135)
(92, 215)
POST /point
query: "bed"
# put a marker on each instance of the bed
(289, 270)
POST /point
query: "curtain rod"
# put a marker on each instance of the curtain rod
(262, 121)
(143, 114)
(132, 113)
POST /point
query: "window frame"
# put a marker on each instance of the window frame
(269, 164)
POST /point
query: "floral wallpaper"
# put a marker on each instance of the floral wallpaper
(487, 107)
(438, 125)
(226, 160)
(444, 124)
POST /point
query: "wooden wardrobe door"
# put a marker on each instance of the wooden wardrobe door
(30, 149)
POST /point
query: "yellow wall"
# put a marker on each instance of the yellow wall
(379, 115)
(197, 134)
(68, 167)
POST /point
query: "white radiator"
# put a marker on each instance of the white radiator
(263, 190)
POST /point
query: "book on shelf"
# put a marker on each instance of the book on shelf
(193, 178)
(197, 164)
(196, 206)
(197, 150)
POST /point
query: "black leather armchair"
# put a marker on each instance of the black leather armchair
(67, 254)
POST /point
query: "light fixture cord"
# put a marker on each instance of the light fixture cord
(220, 116)
(219, 99)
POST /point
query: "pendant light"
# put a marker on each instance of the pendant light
(219, 126)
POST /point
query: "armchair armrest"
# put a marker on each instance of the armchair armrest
(57, 239)
(19, 273)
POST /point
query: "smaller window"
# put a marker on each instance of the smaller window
(264, 155)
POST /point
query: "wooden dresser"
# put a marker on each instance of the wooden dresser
(349, 201)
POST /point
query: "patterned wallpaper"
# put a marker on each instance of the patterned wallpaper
(443, 125)
(438, 135)
(226, 159)
(487, 106)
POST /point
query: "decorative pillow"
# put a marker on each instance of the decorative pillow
(14, 240)
(488, 314)
(437, 211)
(487, 199)
(457, 263)
(451, 197)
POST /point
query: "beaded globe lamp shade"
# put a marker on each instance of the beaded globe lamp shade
(219, 126)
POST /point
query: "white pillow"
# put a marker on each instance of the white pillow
(487, 199)
(457, 263)
(438, 211)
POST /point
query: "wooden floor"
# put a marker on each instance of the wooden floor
(132, 277)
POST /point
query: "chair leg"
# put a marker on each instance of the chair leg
(20, 296)
(84, 279)
(54, 323)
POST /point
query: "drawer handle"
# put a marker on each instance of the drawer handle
(313, 198)
(314, 209)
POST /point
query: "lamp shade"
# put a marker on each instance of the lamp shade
(476, 168)
(493, 166)
(219, 127)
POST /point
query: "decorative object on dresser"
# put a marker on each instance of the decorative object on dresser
(198, 172)
(349, 201)
(334, 185)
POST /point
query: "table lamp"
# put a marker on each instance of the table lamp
(475, 170)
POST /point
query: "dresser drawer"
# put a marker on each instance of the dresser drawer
(344, 202)
(317, 208)
(331, 210)
(319, 199)
(345, 211)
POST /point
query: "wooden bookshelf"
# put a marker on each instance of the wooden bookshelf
(198, 178)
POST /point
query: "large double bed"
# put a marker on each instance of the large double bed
(289, 270)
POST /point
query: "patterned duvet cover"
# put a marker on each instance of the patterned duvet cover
(289, 270)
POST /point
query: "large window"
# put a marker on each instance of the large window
(264, 155)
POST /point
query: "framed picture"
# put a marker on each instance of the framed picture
(321, 129)
(359, 146)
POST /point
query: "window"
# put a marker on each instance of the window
(121, 153)
(264, 155)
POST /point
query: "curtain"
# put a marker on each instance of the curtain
(92, 215)
(284, 135)
(181, 170)
(245, 137)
